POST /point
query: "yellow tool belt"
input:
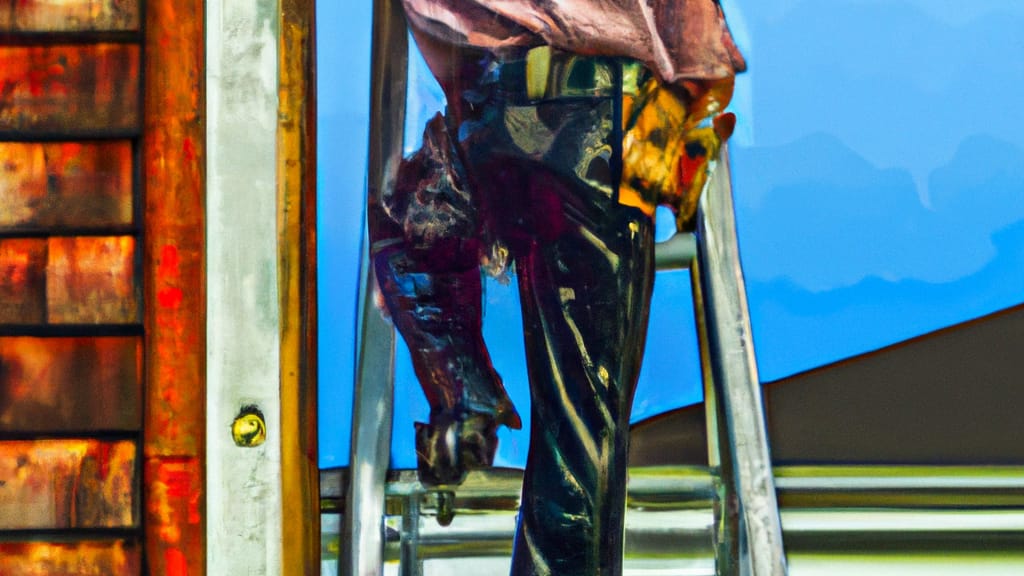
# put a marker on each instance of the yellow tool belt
(547, 73)
(668, 144)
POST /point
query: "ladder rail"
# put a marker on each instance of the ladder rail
(362, 546)
(754, 534)
(748, 528)
(362, 540)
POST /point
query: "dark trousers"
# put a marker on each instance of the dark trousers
(585, 300)
(538, 181)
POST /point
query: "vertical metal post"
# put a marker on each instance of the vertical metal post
(409, 560)
(756, 546)
(726, 516)
(362, 542)
(362, 539)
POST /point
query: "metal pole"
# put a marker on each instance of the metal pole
(725, 528)
(362, 543)
(747, 466)
(409, 558)
(362, 540)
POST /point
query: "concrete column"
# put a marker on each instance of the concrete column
(244, 529)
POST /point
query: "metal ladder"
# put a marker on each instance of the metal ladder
(747, 523)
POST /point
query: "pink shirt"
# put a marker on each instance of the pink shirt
(678, 39)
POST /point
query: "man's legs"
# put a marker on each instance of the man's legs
(585, 299)
(546, 177)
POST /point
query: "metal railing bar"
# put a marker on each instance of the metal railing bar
(747, 468)
(362, 546)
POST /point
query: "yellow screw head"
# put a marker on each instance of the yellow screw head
(249, 429)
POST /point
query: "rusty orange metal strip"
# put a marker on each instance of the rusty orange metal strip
(296, 177)
(174, 288)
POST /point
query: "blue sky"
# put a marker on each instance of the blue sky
(879, 181)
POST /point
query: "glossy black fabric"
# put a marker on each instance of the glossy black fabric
(535, 179)
(585, 304)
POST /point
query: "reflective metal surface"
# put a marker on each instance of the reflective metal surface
(362, 542)
(900, 519)
(746, 464)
